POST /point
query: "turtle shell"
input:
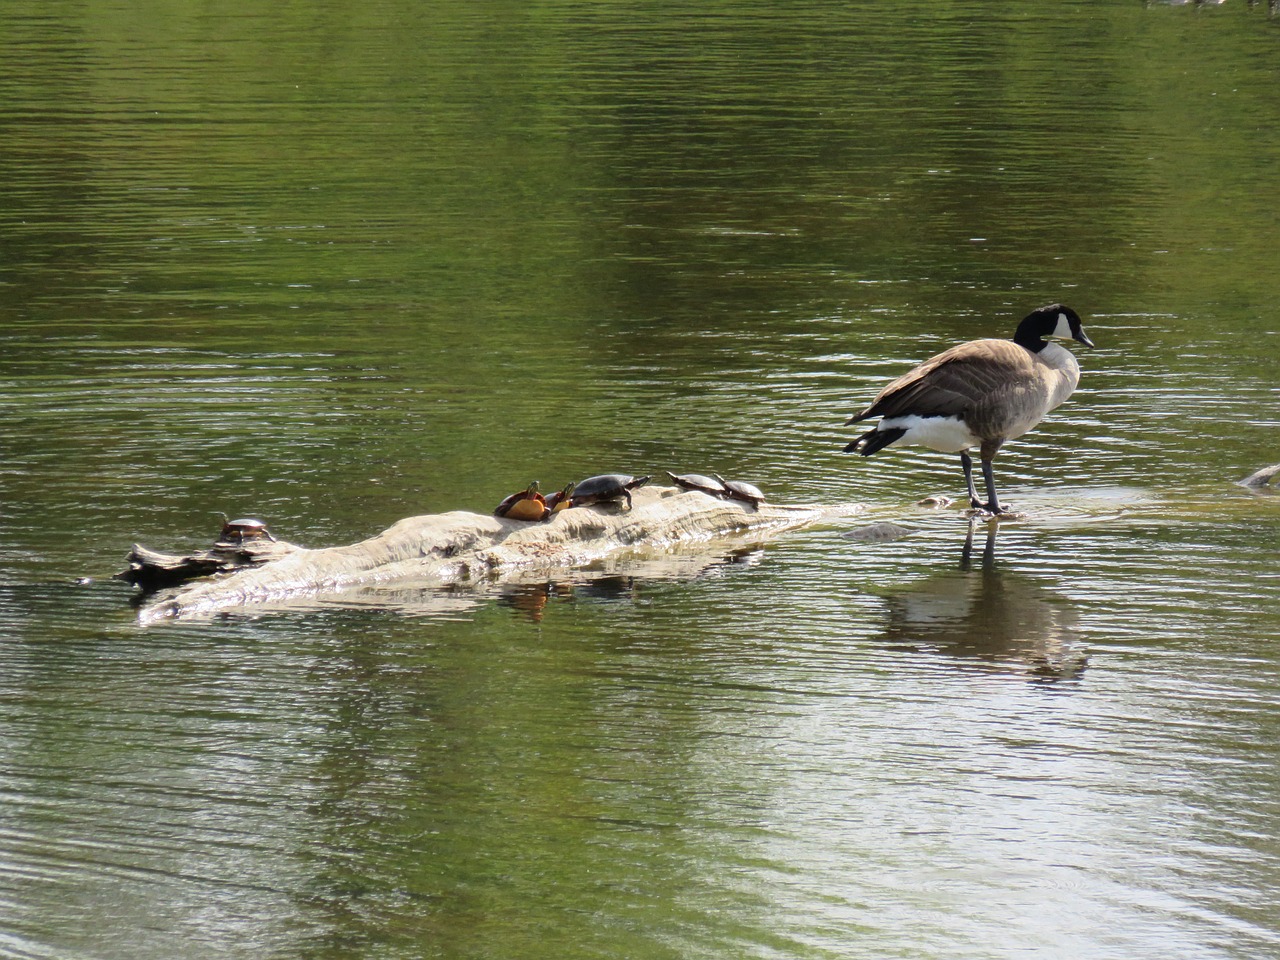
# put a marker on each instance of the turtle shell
(526, 509)
(606, 487)
(561, 499)
(696, 481)
(244, 529)
(741, 490)
(526, 504)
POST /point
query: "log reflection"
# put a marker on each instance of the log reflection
(625, 581)
(980, 611)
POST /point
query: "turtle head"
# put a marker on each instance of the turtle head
(560, 499)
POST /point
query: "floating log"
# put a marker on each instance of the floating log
(1262, 477)
(462, 546)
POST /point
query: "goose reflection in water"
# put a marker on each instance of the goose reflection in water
(990, 614)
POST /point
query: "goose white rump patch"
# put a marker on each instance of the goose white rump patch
(946, 434)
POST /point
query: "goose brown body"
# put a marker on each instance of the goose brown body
(997, 389)
(978, 394)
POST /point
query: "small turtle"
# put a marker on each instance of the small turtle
(606, 487)
(526, 504)
(696, 481)
(740, 490)
(561, 499)
(243, 530)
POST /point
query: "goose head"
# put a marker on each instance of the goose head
(1054, 321)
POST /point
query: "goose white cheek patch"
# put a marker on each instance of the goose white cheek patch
(1063, 329)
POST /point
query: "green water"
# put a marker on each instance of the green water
(337, 264)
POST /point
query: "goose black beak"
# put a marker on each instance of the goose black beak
(1083, 338)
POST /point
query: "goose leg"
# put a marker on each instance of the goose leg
(966, 461)
(992, 505)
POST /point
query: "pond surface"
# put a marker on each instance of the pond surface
(337, 264)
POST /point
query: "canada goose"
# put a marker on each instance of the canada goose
(979, 394)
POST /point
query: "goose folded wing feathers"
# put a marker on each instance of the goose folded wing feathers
(953, 382)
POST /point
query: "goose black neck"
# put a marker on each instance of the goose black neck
(1028, 335)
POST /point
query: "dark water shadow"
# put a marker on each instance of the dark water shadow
(980, 611)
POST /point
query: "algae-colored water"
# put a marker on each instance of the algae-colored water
(336, 265)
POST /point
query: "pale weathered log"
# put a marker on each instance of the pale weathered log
(460, 546)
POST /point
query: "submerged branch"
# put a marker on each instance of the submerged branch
(1262, 477)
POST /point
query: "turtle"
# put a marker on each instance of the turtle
(246, 529)
(561, 499)
(696, 481)
(606, 487)
(526, 504)
(740, 490)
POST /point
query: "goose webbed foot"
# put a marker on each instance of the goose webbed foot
(977, 508)
(997, 511)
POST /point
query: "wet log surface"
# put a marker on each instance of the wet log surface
(456, 547)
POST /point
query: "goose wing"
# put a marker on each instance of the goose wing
(954, 381)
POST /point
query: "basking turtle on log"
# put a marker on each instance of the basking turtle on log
(527, 504)
(711, 486)
(717, 486)
(606, 488)
(561, 499)
(740, 490)
(237, 532)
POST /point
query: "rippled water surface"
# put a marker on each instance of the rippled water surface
(339, 264)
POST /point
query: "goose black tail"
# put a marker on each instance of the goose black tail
(874, 440)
